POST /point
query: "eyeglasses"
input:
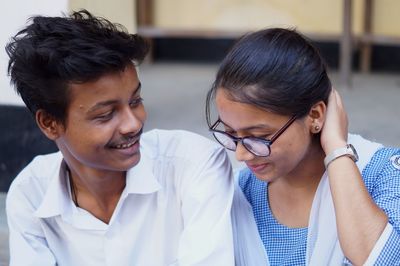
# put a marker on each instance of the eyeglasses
(257, 146)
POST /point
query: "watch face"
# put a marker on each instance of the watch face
(354, 152)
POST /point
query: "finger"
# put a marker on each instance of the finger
(332, 97)
(339, 100)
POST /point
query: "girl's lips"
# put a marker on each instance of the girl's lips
(257, 167)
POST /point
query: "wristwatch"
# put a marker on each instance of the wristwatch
(349, 151)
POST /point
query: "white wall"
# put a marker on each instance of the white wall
(117, 11)
(13, 17)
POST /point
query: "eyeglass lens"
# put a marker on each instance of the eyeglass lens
(253, 145)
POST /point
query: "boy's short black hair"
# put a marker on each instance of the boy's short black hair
(53, 52)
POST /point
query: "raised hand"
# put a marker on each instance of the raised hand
(334, 131)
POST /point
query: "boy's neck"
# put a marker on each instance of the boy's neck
(97, 191)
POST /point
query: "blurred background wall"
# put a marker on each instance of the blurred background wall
(121, 11)
(369, 38)
(318, 16)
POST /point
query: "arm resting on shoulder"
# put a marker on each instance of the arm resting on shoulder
(206, 194)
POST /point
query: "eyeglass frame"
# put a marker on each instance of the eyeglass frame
(266, 142)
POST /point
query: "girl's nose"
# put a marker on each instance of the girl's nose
(242, 154)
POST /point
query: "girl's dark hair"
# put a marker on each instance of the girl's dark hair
(275, 69)
(53, 52)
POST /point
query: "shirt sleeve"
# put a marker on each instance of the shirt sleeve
(385, 191)
(28, 244)
(390, 254)
(206, 194)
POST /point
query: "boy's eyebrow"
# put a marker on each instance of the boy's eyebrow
(110, 102)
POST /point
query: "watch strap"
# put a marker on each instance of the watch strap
(343, 151)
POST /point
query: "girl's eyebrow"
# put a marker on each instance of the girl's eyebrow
(249, 128)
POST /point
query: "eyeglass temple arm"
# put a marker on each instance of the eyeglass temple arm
(277, 134)
(215, 124)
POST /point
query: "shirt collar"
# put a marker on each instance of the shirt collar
(56, 198)
(140, 179)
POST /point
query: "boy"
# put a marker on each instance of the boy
(111, 196)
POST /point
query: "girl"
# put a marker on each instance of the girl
(306, 197)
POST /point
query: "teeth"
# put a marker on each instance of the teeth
(125, 146)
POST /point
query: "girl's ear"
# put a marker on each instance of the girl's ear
(317, 117)
(48, 124)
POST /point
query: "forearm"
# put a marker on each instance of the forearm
(360, 221)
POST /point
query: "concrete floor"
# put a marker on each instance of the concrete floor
(174, 96)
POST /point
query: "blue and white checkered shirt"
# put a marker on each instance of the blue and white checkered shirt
(287, 246)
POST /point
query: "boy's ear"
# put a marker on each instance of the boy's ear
(317, 117)
(48, 124)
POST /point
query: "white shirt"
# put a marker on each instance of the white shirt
(174, 210)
